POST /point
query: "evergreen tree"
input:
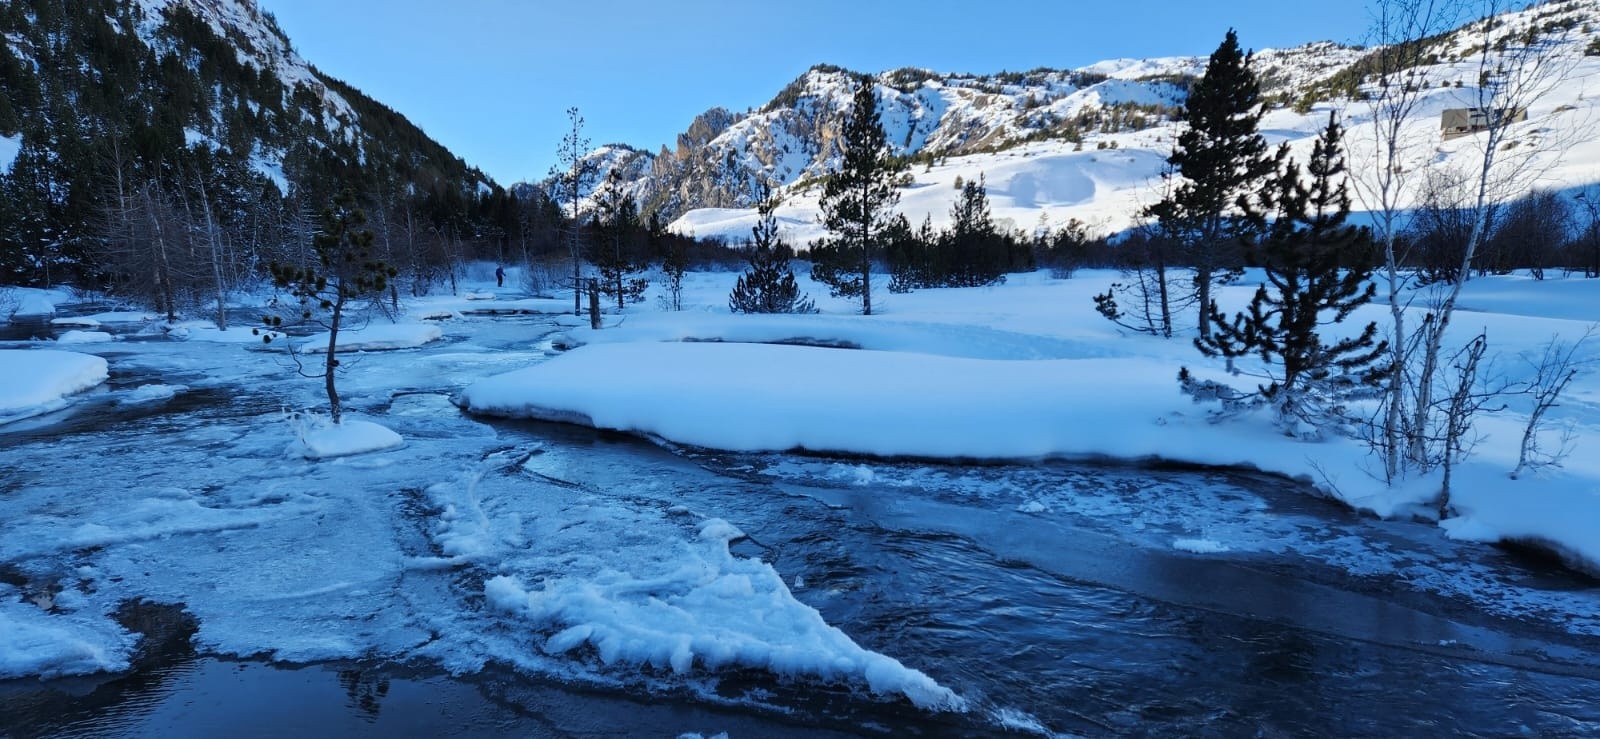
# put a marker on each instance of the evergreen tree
(768, 286)
(978, 253)
(572, 176)
(915, 258)
(1221, 158)
(617, 251)
(1303, 253)
(971, 253)
(857, 202)
(345, 271)
(674, 262)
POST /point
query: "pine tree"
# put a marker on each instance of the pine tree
(1303, 253)
(857, 202)
(573, 175)
(617, 254)
(978, 255)
(345, 271)
(1221, 158)
(768, 286)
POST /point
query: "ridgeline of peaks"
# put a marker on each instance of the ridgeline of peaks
(929, 117)
(723, 156)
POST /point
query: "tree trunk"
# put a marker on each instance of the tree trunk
(866, 269)
(334, 411)
(216, 260)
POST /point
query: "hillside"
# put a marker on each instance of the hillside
(102, 100)
(1089, 144)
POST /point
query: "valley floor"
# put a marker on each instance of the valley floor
(951, 426)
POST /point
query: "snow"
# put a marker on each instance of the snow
(35, 643)
(292, 541)
(1056, 381)
(152, 393)
(84, 337)
(699, 613)
(10, 147)
(376, 337)
(28, 301)
(272, 170)
(468, 547)
(39, 381)
(988, 408)
(320, 438)
(1200, 546)
(204, 330)
(958, 118)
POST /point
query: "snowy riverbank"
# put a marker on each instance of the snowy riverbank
(1028, 370)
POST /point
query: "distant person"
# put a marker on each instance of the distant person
(499, 276)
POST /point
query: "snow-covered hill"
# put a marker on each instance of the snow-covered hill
(1089, 144)
(221, 69)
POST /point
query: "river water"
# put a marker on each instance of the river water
(1056, 597)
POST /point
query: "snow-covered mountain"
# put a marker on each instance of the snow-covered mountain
(220, 72)
(1080, 144)
(928, 116)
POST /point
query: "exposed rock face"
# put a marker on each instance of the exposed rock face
(721, 159)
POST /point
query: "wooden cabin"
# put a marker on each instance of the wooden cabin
(1457, 122)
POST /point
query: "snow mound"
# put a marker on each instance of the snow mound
(761, 397)
(714, 610)
(35, 643)
(34, 302)
(377, 337)
(1200, 546)
(322, 439)
(39, 381)
(152, 394)
(202, 330)
(84, 337)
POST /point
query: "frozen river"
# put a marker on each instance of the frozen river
(353, 596)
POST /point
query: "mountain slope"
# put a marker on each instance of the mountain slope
(1089, 144)
(105, 95)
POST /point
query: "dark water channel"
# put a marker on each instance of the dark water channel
(1068, 620)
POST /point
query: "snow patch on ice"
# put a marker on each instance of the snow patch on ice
(377, 337)
(37, 643)
(320, 438)
(1200, 546)
(709, 609)
(151, 394)
(39, 381)
(84, 337)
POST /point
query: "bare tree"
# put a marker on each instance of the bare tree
(1516, 65)
(576, 173)
(1384, 171)
(1588, 239)
(1556, 367)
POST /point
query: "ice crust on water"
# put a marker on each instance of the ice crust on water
(36, 643)
(707, 609)
(376, 337)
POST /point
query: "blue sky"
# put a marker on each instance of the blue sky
(491, 79)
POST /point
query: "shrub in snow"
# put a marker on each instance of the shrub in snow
(1307, 376)
(768, 286)
(346, 272)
